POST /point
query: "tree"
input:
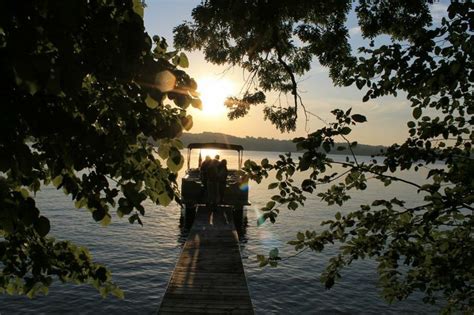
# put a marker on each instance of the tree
(425, 247)
(82, 94)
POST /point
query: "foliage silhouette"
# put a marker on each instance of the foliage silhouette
(423, 247)
(83, 89)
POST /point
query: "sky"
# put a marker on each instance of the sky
(387, 116)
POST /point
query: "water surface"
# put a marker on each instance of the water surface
(142, 259)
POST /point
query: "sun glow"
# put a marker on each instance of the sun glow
(213, 92)
(209, 152)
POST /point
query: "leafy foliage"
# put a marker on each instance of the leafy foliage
(83, 90)
(258, 36)
(240, 107)
(423, 247)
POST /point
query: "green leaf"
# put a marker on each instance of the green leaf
(273, 253)
(359, 118)
(273, 186)
(305, 163)
(98, 214)
(135, 217)
(416, 112)
(183, 60)
(151, 102)
(42, 226)
(270, 205)
(263, 263)
(187, 122)
(106, 220)
(57, 181)
(138, 7)
(292, 205)
(164, 199)
(24, 192)
(345, 131)
(118, 293)
(11, 289)
(80, 203)
(300, 236)
(326, 147)
(175, 60)
(163, 150)
(178, 144)
(175, 161)
(405, 217)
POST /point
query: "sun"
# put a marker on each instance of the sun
(213, 93)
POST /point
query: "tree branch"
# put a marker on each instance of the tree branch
(294, 89)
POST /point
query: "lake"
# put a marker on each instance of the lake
(142, 258)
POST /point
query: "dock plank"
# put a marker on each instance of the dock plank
(209, 276)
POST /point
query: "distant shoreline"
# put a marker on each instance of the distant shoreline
(273, 145)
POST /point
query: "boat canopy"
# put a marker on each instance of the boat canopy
(216, 145)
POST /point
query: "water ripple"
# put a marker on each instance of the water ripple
(142, 258)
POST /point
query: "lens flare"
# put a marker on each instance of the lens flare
(244, 186)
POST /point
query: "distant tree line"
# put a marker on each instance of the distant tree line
(273, 145)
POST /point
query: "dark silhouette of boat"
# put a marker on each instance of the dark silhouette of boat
(236, 191)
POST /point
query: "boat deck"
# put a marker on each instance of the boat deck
(209, 276)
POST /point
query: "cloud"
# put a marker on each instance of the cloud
(355, 30)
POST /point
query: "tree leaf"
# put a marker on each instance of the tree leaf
(359, 118)
(345, 131)
(151, 102)
(42, 226)
(57, 181)
(183, 60)
(270, 205)
(106, 220)
(163, 150)
(300, 236)
(164, 199)
(138, 7)
(273, 253)
(416, 112)
(273, 186)
(187, 122)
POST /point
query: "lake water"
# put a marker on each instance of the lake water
(142, 259)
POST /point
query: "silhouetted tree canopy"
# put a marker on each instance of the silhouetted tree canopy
(82, 92)
(425, 246)
(83, 89)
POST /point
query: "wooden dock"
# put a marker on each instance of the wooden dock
(209, 277)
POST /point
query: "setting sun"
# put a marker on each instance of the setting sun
(213, 92)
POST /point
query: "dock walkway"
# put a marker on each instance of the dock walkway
(209, 277)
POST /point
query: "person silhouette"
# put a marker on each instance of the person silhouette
(203, 174)
(222, 179)
(212, 184)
